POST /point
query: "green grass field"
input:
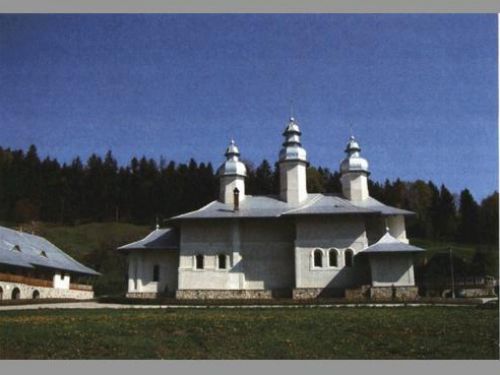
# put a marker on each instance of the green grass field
(215, 333)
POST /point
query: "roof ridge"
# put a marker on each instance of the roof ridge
(316, 197)
(191, 212)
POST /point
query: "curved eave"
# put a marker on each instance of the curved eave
(132, 248)
(16, 264)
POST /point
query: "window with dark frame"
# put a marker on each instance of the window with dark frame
(156, 273)
(199, 262)
(318, 258)
(222, 261)
(333, 258)
(348, 255)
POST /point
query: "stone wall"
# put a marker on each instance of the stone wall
(223, 294)
(476, 292)
(26, 292)
(312, 293)
(144, 295)
(356, 294)
(398, 293)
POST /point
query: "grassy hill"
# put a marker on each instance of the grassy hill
(80, 240)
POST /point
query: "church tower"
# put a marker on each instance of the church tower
(232, 175)
(293, 164)
(354, 173)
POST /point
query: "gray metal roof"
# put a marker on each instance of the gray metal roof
(389, 244)
(272, 206)
(28, 250)
(329, 205)
(166, 238)
(373, 204)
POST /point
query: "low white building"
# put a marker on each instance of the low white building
(32, 267)
(293, 244)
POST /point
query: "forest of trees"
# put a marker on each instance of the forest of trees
(145, 190)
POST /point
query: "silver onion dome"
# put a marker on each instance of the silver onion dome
(232, 166)
(353, 162)
(292, 148)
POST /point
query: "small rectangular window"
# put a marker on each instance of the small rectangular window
(199, 262)
(222, 261)
(156, 273)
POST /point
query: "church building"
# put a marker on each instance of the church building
(294, 244)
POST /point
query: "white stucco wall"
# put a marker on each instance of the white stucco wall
(226, 188)
(260, 254)
(140, 271)
(376, 227)
(293, 182)
(392, 269)
(340, 233)
(61, 281)
(397, 227)
(354, 186)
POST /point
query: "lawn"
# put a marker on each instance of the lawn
(215, 333)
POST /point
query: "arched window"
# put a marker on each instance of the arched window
(16, 293)
(333, 258)
(156, 272)
(36, 294)
(348, 255)
(222, 261)
(1, 293)
(318, 258)
(199, 262)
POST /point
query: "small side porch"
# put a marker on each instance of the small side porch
(391, 271)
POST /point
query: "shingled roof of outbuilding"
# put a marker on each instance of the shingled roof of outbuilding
(165, 238)
(29, 251)
(273, 207)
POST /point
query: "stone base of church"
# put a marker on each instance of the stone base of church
(312, 293)
(399, 293)
(358, 294)
(144, 295)
(223, 294)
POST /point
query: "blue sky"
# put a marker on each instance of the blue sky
(420, 91)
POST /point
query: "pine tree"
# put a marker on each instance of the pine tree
(468, 219)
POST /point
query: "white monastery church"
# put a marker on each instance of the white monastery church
(294, 244)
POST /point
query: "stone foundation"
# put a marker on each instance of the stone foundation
(223, 294)
(144, 295)
(27, 291)
(398, 293)
(475, 292)
(357, 294)
(312, 293)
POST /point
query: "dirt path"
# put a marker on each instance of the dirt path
(96, 305)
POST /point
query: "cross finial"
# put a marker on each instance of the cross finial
(291, 109)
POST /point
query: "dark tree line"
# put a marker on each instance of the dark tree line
(146, 190)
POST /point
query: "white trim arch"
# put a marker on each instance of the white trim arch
(315, 259)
